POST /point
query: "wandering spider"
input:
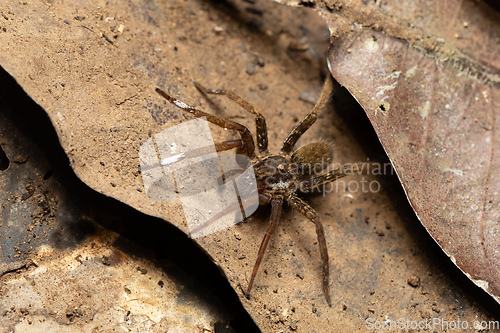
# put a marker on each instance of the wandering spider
(280, 176)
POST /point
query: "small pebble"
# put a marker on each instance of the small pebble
(414, 281)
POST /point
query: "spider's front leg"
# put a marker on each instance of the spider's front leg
(260, 121)
(276, 205)
(305, 209)
(246, 141)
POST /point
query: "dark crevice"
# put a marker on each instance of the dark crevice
(4, 160)
(48, 174)
(159, 240)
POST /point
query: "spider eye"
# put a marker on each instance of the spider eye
(313, 158)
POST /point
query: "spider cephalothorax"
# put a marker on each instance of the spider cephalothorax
(280, 176)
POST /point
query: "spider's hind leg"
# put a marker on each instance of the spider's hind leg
(305, 209)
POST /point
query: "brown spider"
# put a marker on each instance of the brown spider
(280, 176)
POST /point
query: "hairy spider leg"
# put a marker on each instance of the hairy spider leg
(246, 136)
(260, 120)
(310, 119)
(339, 172)
(276, 205)
(230, 144)
(303, 208)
